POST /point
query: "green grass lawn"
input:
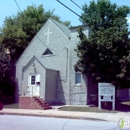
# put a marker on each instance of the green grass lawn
(120, 107)
(12, 106)
(85, 109)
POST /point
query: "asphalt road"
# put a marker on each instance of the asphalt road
(12, 122)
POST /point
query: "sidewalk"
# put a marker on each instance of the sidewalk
(68, 114)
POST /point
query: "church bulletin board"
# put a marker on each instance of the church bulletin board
(106, 92)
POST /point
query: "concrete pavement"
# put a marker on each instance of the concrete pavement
(68, 114)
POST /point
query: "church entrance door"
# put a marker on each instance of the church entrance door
(34, 84)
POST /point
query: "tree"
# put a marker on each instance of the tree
(4, 65)
(4, 62)
(19, 30)
(105, 55)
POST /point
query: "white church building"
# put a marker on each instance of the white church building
(46, 67)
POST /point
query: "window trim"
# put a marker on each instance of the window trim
(76, 83)
(37, 79)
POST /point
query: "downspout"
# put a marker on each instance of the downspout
(67, 72)
(67, 64)
(70, 72)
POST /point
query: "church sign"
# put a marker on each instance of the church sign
(106, 92)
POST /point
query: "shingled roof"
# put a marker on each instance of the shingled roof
(46, 62)
(64, 29)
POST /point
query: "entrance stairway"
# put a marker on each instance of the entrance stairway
(44, 105)
(35, 102)
(27, 100)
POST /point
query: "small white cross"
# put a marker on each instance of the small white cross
(48, 34)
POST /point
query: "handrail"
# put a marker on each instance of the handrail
(26, 91)
(34, 89)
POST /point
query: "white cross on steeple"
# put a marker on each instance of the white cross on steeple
(48, 34)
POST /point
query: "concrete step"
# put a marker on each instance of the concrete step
(42, 103)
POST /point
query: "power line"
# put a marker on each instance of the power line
(76, 4)
(63, 5)
(36, 34)
(71, 10)
(68, 8)
(17, 5)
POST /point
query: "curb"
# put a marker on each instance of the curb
(53, 116)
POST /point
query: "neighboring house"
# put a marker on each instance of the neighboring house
(46, 67)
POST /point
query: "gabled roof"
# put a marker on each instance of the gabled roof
(63, 28)
(44, 61)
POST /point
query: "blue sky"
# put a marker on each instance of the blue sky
(9, 8)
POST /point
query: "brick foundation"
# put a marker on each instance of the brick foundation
(32, 103)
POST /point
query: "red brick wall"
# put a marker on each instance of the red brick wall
(28, 103)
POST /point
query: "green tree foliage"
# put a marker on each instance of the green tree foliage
(19, 30)
(105, 55)
(4, 62)
(4, 65)
(15, 34)
(7, 83)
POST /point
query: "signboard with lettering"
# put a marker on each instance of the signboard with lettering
(106, 92)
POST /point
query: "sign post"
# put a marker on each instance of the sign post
(106, 92)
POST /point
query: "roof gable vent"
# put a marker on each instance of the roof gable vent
(47, 52)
